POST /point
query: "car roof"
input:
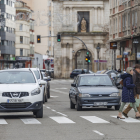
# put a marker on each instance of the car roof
(29, 68)
(15, 70)
(92, 75)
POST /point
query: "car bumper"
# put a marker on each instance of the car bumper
(111, 101)
(32, 107)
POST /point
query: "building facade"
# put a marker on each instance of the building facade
(85, 20)
(124, 30)
(42, 16)
(24, 35)
(7, 33)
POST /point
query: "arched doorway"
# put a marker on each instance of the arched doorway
(80, 62)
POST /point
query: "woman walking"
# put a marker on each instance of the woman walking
(127, 92)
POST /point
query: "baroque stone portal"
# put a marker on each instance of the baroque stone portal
(83, 25)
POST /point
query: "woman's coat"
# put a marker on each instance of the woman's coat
(128, 88)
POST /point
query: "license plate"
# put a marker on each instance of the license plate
(14, 100)
(100, 103)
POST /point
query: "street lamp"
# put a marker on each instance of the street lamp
(98, 50)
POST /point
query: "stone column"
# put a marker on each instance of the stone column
(70, 67)
(99, 15)
(95, 19)
(70, 15)
(64, 15)
(102, 15)
(64, 54)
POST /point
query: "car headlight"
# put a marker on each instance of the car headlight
(84, 95)
(35, 92)
(114, 94)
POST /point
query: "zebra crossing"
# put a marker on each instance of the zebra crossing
(66, 120)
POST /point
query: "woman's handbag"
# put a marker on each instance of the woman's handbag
(136, 103)
(121, 82)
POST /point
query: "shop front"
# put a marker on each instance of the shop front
(23, 62)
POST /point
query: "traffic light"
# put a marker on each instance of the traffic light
(87, 59)
(87, 53)
(38, 39)
(58, 38)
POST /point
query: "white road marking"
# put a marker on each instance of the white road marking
(30, 121)
(62, 120)
(58, 91)
(61, 88)
(54, 96)
(128, 120)
(2, 121)
(61, 114)
(53, 110)
(94, 119)
(48, 107)
(98, 132)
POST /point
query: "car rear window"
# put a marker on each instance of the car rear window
(76, 71)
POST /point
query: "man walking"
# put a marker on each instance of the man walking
(136, 81)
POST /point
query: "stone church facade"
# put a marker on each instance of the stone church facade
(85, 20)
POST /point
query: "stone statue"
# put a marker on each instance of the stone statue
(83, 25)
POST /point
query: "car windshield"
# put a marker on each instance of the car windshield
(102, 80)
(37, 74)
(15, 77)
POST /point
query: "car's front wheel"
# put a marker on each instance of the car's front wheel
(48, 93)
(39, 113)
(79, 108)
(46, 98)
(72, 105)
(117, 107)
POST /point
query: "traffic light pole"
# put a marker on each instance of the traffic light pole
(76, 38)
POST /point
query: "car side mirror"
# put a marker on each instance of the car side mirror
(42, 82)
(73, 85)
(45, 78)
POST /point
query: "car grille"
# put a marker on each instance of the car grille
(15, 105)
(100, 95)
(15, 94)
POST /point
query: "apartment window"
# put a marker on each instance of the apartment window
(21, 16)
(116, 3)
(136, 17)
(133, 19)
(21, 39)
(6, 29)
(21, 27)
(129, 20)
(119, 24)
(116, 25)
(120, 2)
(2, 42)
(21, 52)
(125, 21)
(11, 3)
(2, 1)
(7, 2)
(7, 15)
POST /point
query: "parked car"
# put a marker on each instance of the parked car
(77, 72)
(94, 90)
(47, 79)
(21, 92)
(39, 78)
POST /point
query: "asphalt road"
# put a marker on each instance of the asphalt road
(62, 123)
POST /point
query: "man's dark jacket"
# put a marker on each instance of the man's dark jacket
(136, 81)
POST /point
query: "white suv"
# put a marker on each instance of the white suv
(20, 92)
